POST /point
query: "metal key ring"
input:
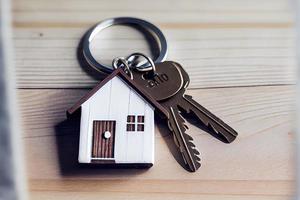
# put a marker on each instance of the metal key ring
(123, 61)
(151, 67)
(152, 29)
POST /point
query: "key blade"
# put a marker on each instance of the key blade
(219, 128)
(185, 142)
(210, 120)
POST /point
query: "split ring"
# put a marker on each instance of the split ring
(123, 62)
(152, 29)
(151, 66)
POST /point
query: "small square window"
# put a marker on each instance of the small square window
(131, 118)
(130, 127)
(140, 127)
(141, 119)
(135, 123)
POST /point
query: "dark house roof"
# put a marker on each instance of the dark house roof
(120, 73)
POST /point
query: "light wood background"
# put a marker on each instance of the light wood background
(241, 59)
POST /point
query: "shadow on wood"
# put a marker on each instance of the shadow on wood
(67, 140)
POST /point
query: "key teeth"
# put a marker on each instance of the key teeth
(191, 157)
(218, 127)
(189, 137)
(198, 166)
(186, 127)
(196, 152)
(192, 145)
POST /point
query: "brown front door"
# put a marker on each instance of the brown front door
(103, 139)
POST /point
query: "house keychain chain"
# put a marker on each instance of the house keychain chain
(117, 116)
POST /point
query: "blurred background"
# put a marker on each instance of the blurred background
(241, 57)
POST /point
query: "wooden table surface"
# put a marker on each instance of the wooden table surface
(241, 59)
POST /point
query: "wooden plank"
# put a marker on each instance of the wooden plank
(229, 33)
(166, 187)
(47, 57)
(211, 11)
(230, 104)
(69, 19)
(53, 195)
(253, 45)
(191, 5)
(261, 118)
(55, 158)
(230, 44)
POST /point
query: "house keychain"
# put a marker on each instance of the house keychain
(117, 116)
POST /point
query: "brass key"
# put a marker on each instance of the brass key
(168, 86)
(187, 104)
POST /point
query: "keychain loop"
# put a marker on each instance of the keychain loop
(152, 29)
(124, 64)
(134, 56)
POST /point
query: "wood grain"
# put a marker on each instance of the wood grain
(103, 147)
(280, 6)
(53, 195)
(249, 162)
(213, 58)
(268, 117)
(173, 186)
(241, 59)
(233, 45)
